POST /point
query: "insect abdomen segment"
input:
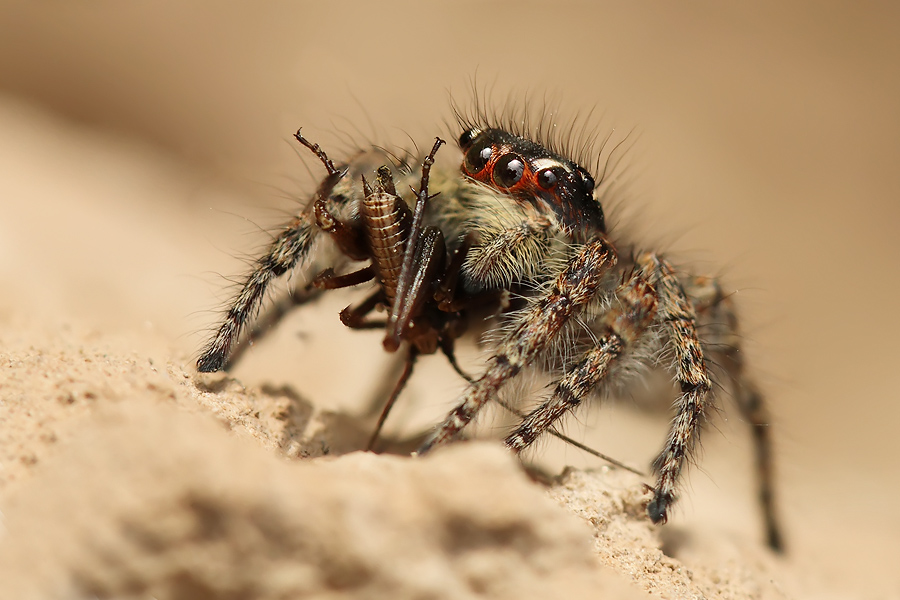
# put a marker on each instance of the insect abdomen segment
(387, 219)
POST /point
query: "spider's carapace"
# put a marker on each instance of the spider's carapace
(530, 172)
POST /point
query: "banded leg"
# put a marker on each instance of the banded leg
(575, 286)
(678, 316)
(625, 323)
(511, 252)
(266, 320)
(722, 333)
(289, 247)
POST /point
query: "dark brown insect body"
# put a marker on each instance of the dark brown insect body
(523, 221)
(387, 221)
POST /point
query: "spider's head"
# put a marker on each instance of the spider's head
(530, 172)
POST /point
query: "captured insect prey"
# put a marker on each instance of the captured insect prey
(516, 238)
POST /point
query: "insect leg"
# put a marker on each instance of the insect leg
(448, 348)
(411, 356)
(428, 265)
(423, 263)
(354, 317)
(328, 280)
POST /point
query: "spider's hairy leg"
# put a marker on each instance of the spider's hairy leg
(680, 321)
(632, 313)
(572, 289)
(716, 311)
(291, 245)
(509, 253)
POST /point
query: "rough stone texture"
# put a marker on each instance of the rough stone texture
(613, 501)
(147, 501)
(124, 476)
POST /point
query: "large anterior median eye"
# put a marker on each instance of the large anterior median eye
(477, 157)
(548, 178)
(508, 170)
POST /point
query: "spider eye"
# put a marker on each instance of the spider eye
(477, 157)
(588, 181)
(467, 137)
(509, 170)
(547, 178)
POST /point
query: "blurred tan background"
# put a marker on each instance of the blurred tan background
(141, 143)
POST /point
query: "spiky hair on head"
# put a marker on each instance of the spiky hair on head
(580, 139)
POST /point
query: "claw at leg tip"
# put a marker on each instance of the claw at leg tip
(657, 508)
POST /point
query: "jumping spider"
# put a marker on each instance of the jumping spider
(520, 235)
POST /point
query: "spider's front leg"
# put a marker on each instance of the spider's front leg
(680, 321)
(634, 310)
(290, 246)
(537, 328)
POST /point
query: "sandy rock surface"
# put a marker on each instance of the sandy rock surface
(120, 481)
(150, 502)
